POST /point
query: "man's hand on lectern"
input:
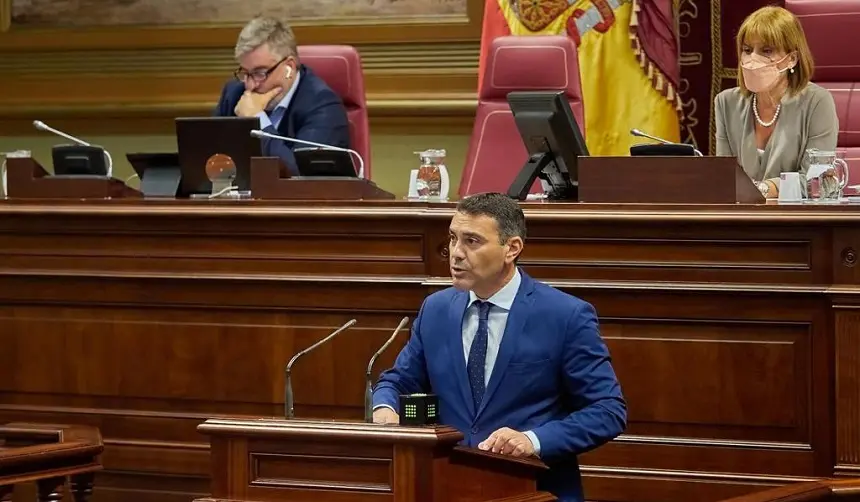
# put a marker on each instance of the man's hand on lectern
(508, 442)
(385, 415)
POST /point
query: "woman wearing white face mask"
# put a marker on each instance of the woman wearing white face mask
(775, 114)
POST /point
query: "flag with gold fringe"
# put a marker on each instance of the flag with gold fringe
(628, 60)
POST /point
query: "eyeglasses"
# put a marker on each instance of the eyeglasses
(257, 75)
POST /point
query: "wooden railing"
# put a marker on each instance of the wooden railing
(847, 490)
(49, 455)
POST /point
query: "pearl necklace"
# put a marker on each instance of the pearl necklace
(758, 118)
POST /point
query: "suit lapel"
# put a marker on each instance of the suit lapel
(454, 328)
(513, 329)
(287, 127)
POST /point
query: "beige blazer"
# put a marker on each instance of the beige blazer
(806, 120)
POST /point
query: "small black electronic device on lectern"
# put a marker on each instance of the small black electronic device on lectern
(553, 141)
(419, 409)
(79, 160)
(663, 150)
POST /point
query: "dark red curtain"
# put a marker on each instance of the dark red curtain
(707, 30)
(656, 32)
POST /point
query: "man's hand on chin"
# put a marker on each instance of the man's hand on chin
(251, 103)
(508, 442)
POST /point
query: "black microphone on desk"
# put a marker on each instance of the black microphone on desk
(263, 134)
(288, 387)
(637, 132)
(38, 124)
(368, 388)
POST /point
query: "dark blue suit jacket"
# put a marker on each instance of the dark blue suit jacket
(315, 113)
(553, 376)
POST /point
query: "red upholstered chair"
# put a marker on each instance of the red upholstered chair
(537, 63)
(830, 27)
(340, 67)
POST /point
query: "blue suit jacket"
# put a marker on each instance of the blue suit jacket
(315, 113)
(553, 376)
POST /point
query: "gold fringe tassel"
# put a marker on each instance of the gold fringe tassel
(658, 80)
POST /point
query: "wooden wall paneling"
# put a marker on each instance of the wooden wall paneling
(846, 350)
(847, 382)
(365, 470)
(732, 339)
(5, 14)
(685, 253)
(845, 255)
(346, 30)
(212, 360)
(420, 72)
(722, 389)
(605, 485)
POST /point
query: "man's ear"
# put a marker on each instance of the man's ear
(515, 248)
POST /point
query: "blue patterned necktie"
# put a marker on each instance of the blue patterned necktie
(478, 355)
(276, 115)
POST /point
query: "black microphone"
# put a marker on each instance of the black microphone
(368, 388)
(637, 132)
(288, 387)
(263, 134)
(38, 124)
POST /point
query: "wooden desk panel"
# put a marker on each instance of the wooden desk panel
(734, 330)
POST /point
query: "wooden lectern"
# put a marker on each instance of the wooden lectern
(270, 460)
(50, 455)
(665, 180)
(27, 179)
(267, 183)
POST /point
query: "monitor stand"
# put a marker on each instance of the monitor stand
(161, 182)
(543, 166)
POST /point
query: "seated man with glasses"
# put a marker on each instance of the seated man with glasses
(285, 95)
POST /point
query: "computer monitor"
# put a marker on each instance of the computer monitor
(553, 141)
(200, 139)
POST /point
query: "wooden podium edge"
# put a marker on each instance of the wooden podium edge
(530, 462)
(530, 497)
(303, 428)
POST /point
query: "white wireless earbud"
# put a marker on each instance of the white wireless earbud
(289, 72)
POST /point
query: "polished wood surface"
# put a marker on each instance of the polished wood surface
(847, 490)
(420, 72)
(269, 183)
(665, 180)
(274, 459)
(49, 456)
(735, 330)
(29, 180)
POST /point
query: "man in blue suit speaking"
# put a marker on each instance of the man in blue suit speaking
(287, 97)
(519, 367)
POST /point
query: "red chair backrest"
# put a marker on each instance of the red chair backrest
(515, 63)
(830, 27)
(340, 67)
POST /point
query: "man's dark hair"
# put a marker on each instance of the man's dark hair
(506, 211)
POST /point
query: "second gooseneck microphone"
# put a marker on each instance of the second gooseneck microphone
(263, 134)
(368, 381)
(288, 387)
(38, 124)
(637, 132)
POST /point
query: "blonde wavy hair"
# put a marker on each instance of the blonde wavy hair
(779, 29)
